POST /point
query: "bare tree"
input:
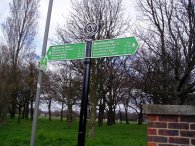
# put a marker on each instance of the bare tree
(31, 82)
(137, 100)
(48, 91)
(4, 86)
(134, 85)
(63, 86)
(70, 89)
(114, 81)
(19, 30)
(169, 49)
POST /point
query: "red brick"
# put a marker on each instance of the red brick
(152, 144)
(192, 126)
(168, 132)
(152, 131)
(187, 119)
(178, 125)
(152, 118)
(157, 125)
(168, 118)
(187, 133)
(193, 141)
(157, 139)
(179, 140)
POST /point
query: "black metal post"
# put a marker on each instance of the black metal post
(84, 99)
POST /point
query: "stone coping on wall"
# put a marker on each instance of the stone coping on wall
(169, 109)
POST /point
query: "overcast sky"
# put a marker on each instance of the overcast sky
(60, 11)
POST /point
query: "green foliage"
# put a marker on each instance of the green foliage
(56, 133)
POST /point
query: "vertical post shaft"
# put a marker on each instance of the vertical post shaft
(85, 90)
(40, 76)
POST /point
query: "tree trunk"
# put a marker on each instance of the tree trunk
(113, 116)
(101, 115)
(101, 111)
(140, 117)
(126, 116)
(92, 121)
(3, 119)
(93, 101)
(27, 110)
(120, 117)
(109, 116)
(23, 111)
(3, 113)
(61, 112)
(49, 109)
(31, 109)
(69, 115)
(19, 113)
(13, 109)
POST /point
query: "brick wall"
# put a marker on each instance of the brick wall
(170, 128)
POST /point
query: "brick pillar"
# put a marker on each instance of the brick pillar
(170, 125)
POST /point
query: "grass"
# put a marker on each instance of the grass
(55, 133)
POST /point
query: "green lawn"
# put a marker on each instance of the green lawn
(55, 133)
